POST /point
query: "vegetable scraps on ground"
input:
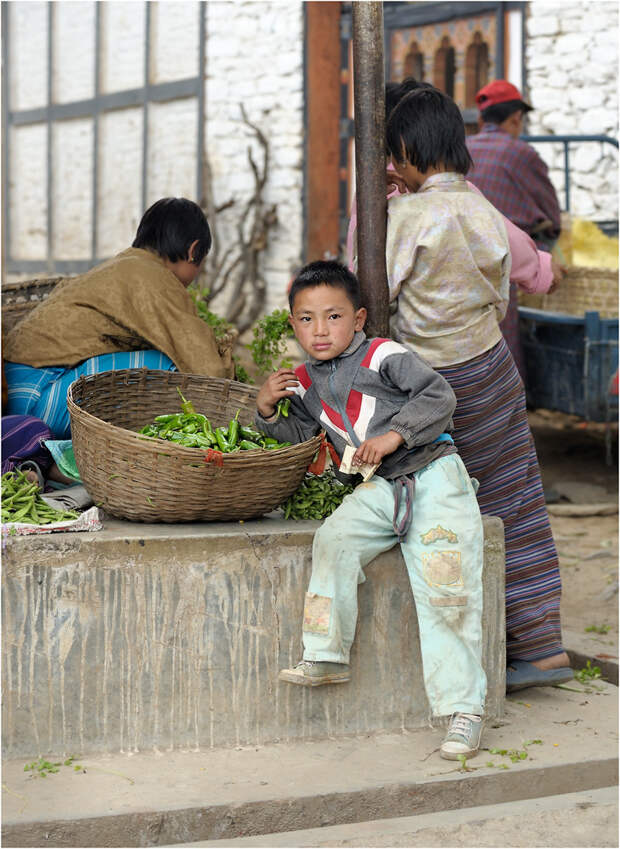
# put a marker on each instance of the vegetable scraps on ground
(193, 430)
(22, 502)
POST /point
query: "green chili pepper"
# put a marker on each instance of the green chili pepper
(190, 428)
(233, 430)
(247, 445)
(248, 432)
(282, 407)
(220, 436)
(186, 405)
(165, 418)
(208, 437)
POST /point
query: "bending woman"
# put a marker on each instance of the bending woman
(131, 311)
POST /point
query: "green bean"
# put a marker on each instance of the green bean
(21, 502)
(316, 497)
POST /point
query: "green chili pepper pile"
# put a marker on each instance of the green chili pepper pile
(21, 502)
(193, 430)
(316, 497)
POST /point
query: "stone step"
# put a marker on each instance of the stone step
(172, 636)
(166, 798)
(585, 818)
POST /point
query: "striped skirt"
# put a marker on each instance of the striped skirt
(42, 392)
(493, 437)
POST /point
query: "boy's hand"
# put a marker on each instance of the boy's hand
(374, 450)
(276, 387)
(395, 183)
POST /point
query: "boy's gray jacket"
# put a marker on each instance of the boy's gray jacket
(376, 385)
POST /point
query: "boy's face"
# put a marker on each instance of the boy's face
(409, 173)
(325, 321)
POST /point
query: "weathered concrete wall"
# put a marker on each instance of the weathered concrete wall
(160, 637)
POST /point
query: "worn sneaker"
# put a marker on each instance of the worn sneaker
(463, 737)
(313, 673)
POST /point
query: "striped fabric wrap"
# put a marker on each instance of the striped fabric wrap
(493, 437)
(42, 392)
(22, 439)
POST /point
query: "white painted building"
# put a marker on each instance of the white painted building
(79, 167)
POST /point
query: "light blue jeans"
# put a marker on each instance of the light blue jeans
(443, 555)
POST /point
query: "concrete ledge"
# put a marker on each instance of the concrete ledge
(165, 636)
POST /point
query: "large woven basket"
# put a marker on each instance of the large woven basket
(149, 480)
(582, 289)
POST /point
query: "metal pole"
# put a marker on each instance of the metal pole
(369, 99)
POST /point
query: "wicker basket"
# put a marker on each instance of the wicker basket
(157, 481)
(18, 299)
(582, 289)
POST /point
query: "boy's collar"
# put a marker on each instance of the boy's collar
(357, 340)
(443, 177)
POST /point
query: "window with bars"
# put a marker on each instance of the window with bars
(103, 113)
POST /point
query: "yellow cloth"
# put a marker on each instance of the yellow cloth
(130, 302)
(591, 247)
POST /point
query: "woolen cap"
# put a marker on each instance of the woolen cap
(499, 91)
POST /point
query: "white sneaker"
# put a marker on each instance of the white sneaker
(463, 737)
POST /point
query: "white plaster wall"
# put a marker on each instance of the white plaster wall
(28, 190)
(73, 46)
(122, 45)
(572, 76)
(120, 146)
(254, 56)
(27, 49)
(172, 134)
(72, 167)
(175, 32)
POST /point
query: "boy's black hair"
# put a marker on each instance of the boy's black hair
(426, 127)
(326, 273)
(394, 92)
(497, 114)
(169, 227)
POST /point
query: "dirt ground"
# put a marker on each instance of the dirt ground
(572, 457)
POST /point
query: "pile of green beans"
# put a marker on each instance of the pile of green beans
(316, 497)
(21, 502)
(193, 430)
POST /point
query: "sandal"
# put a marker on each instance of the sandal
(521, 674)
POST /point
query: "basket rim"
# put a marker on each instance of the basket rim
(175, 449)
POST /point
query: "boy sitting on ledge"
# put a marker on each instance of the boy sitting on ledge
(393, 410)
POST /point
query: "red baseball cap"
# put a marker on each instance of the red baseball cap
(499, 91)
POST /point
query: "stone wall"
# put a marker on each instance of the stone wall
(571, 60)
(255, 57)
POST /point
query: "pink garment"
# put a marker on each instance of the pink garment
(531, 268)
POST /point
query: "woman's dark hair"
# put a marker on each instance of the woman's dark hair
(326, 273)
(427, 129)
(497, 114)
(169, 227)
